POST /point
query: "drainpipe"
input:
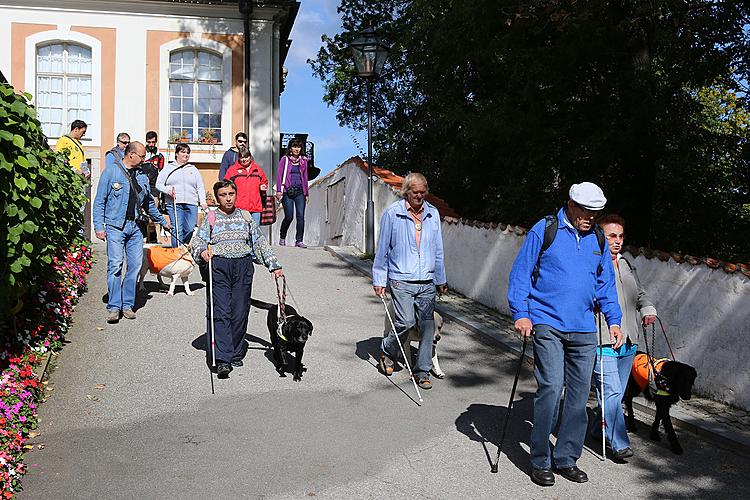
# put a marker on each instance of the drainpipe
(246, 9)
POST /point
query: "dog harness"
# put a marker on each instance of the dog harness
(642, 371)
(160, 257)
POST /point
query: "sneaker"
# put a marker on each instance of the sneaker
(237, 363)
(128, 314)
(113, 317)
(282, 242)
(300, 245)
(386, 364)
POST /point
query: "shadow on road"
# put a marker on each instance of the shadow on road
(369, 347)
(484, 423)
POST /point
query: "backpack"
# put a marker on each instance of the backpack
(550, 232)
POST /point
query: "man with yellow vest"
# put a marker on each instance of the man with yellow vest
(71, 144)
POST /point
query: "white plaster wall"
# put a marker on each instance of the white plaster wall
(478, 262)
(317, 231)
(706, 313)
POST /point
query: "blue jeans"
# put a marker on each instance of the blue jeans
(413, 304)
(294, 206)
(127, 243)
(616, 373)
(187, 218)
(560, 359)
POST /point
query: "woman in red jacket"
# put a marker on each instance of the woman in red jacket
(251, 181)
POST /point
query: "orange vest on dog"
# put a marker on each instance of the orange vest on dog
(160, 257)
(641, 368)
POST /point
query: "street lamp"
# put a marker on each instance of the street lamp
(369, 53)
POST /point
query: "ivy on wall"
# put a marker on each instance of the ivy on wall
(41, 199)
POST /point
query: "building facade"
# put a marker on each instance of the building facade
(176, 67)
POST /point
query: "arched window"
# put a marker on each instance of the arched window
(195, 95)
(63, 86)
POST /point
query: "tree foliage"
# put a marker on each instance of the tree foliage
(503, 104)
(41, 201)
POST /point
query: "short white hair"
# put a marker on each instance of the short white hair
(411, 179)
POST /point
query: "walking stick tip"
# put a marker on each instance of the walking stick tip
(493, 469)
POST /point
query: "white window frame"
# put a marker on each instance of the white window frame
(64, 35)
(226, 85)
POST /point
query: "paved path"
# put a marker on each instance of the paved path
(132, 415)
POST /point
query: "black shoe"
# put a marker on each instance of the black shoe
(223, 369)
(543, 477)
(237, 362)
(622, 454)
(572, 474)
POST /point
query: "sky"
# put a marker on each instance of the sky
(302, 106)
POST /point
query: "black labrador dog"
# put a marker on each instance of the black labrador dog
(295, 331)
(677, 380)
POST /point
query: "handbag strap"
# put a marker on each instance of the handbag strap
(127, 174)
(283, 178)
(77, 145)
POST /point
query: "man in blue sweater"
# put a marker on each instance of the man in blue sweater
(552, 294)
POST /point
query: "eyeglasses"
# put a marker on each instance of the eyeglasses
(586, 211)
(124, 142)
(142, 157)
(241, 141)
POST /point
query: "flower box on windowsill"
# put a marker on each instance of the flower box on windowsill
(211, 140)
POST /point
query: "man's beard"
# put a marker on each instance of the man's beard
(151, 149)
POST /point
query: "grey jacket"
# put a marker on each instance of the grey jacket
(634, 301)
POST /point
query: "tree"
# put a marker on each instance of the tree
(503, 104)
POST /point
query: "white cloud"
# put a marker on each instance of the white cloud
(314, 18)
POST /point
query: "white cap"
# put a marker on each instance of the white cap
(588, 195)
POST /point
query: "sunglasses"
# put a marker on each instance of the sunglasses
(124, 142)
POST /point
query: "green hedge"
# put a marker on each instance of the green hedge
(41, 201)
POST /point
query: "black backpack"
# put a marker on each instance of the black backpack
(550, 232)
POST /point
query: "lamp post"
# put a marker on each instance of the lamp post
(369, 53)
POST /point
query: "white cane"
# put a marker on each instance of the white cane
(174, 222)
(601, 389)
(408, 367)
(211, 307)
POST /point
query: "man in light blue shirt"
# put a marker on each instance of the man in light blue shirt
(409, 261)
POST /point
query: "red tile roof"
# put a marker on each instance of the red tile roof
(395, 181)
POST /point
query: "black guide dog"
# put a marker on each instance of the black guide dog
(295, 330)
(678, 379)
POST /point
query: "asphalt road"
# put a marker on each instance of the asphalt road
(132, 414)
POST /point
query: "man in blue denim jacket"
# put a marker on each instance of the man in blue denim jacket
(552, 294)
(116, 212)
(409, 260)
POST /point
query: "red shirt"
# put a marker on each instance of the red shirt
(248, 181)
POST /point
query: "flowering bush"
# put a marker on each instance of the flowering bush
(39, 326)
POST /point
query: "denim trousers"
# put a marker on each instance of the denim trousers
(185, 221)
(561, 359)
(232, 286)
(294, 207)
(127, 244)
(413, 304)
(616, 373)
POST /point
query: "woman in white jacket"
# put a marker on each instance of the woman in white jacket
(637, 309)
(182, 183)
